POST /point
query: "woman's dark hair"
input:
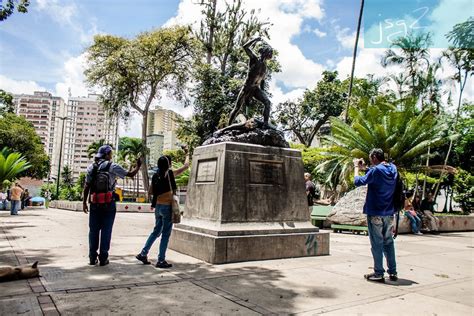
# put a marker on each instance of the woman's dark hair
(163, 165)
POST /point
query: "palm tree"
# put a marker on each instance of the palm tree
(94, 147)
(132, 149)
(413, 55)
(11, 165)
(399, 130)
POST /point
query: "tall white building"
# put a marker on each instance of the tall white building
(87, 123)
(161, 132)
(42, 109)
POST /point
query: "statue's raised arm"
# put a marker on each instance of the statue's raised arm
(253, 86)
(249, 44)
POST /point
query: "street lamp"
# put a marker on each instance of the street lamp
(60, 155)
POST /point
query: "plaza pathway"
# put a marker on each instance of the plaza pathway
(436, 275)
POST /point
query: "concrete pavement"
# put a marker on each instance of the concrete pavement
(436, 275)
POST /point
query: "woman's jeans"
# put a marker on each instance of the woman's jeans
(415, 222)
(163, 226)
(381, 240)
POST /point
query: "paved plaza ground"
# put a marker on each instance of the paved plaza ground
(436, 275)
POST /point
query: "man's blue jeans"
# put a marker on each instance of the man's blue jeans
(381, 240)
(15, 207)
(415, 222)
(101, 220)
(163, 226)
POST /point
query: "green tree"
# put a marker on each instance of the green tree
(464, 147)
(462, 35)
(19, 135)
(6, 102)
(413, 56)
(398, 129)
(94, 148)
(305, 117)
(220, 74)
(66, 177)
(7, 8)
(464, 190)
(12, 164)
(132, 73)
(132, 149)
(177, 155)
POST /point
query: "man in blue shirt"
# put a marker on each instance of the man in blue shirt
(380, 180)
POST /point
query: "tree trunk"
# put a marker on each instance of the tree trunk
(211, 33)
(354, 58)
(462, 85)
(144, 168)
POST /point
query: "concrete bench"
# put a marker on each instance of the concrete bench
(350, 228)
(319, 214)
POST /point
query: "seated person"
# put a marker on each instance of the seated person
(427, 207)
(415, 221)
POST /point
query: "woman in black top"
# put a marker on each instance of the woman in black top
(163, 187)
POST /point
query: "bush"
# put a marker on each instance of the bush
(463, 187)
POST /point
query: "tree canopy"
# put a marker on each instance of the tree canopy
(305, 117)
(7, 8)
(19, 135)
(133, 72)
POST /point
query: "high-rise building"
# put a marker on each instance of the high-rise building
(161, 120)
(42, 110)
(154, 143)
(87, 123)
(170, 140)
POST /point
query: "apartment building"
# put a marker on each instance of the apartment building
(42, 109)
(155, 143)
(87, 123)
(161, 120)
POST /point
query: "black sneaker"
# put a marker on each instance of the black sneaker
(374, 278)
(393, 277)
(104, 263)
(142, 258)
(163, 264)
(92, 262)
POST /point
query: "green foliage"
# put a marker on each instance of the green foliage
(177, 155)
(412, 53)
(132, 148)
(402, 132)
(220, 74)
(48, 191)
(94, 148)
(305, 117)
(312, 157)
(11, 165)
(462, 35)
(132, 72)
(409, 179)
(19, 135)
(464, 190)
(464, 148)
(7, 8)
(66, 177)
(183, 179)
(6, 102)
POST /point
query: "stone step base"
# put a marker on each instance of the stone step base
(226, 249)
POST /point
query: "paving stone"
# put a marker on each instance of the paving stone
(24, 305)
(178, 298)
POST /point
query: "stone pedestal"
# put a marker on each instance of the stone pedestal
(247, 202)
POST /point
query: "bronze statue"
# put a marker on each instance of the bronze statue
(253, 87)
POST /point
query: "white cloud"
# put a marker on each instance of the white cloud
(73, 78)
(347, 38)
(319, 33)
(68, 14)
(19, 86)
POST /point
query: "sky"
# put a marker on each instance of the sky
(43, 50)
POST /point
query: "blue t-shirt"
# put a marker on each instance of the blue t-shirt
(380, 181)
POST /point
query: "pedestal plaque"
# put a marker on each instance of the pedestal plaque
(247, 202)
